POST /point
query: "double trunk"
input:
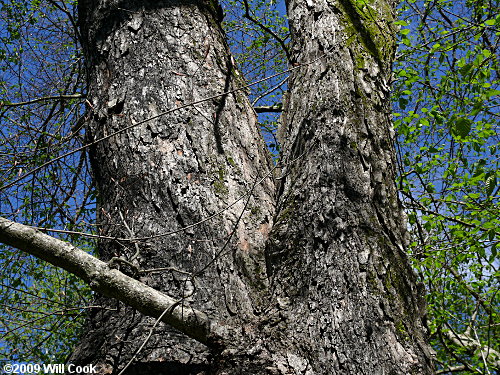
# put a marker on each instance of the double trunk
(307, 272)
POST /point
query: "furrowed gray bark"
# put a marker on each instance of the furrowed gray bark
(143, 58)
(337, 249)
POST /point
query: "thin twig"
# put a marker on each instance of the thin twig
(184, 106)
(150, 333)
(267, 30)
(132, 235)
(268, 92)
(42, 99)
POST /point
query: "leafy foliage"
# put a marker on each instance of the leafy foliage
(39, 60)
(446, 99)
(258, 36)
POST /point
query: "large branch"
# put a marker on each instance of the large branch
(110, 282)
(465, 341)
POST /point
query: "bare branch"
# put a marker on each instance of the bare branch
(43, 99)
(272, 89)
(110, 282)
(268, 108)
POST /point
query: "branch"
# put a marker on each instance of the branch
(45, 98)
(268, 108)
(269, 92)
(489, 354)
(449, 369)
(110, 282)
(470, 289)
(267, 30)
(419, 206)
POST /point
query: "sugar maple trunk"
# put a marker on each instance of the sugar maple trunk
(308, 272)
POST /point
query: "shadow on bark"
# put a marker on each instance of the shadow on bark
(166, 368)
(221, 104)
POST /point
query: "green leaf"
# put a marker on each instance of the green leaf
(401, 23)
(462, 127)
(464, 70)
(490, 184)
(494, 252)
(491, 93)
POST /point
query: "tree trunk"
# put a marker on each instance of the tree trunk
(170, 173)
(339, 296)
(337, 248)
